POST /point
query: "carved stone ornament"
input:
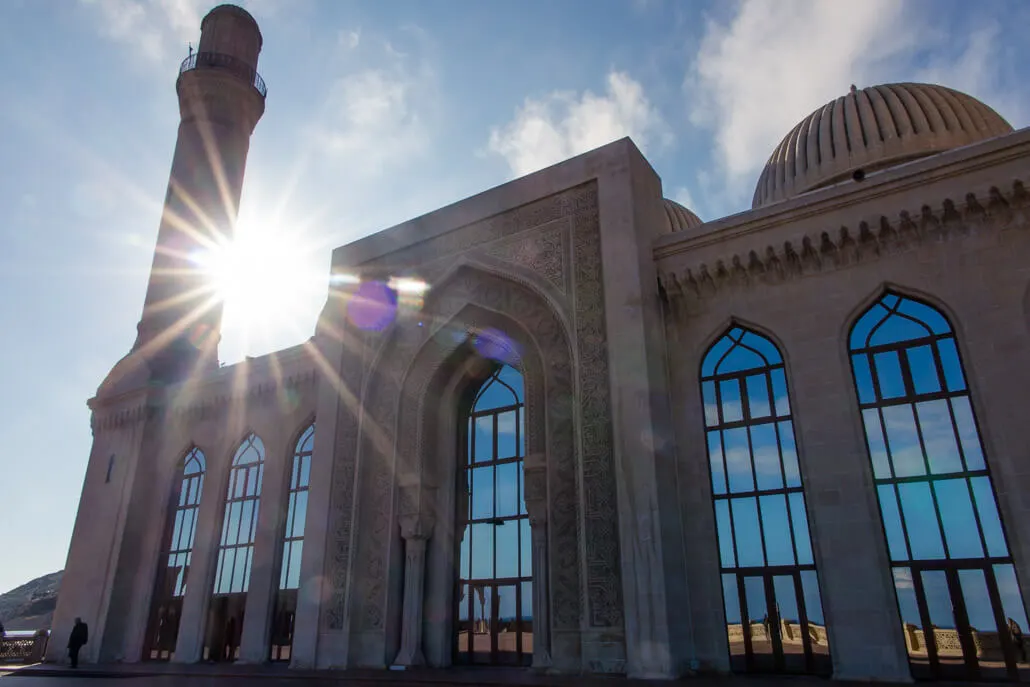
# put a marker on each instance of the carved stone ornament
(854, 246)
(394, 386)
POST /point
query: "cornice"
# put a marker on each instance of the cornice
(837, 248)
(846, 195)
(200, 405)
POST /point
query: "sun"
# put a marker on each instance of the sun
(271, 286)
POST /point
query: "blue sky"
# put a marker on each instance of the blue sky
(378, 112)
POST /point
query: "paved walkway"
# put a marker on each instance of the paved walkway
(231, 675)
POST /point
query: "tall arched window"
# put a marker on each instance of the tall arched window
(175, 557)
(956, 586)
(495, 587)
(235, 551)
(293, 544)
(770, 588)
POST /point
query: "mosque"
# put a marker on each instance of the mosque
(565, 425)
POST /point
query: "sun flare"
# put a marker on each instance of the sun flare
(267, 278)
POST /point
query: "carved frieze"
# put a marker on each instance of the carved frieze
(600, 510)
(542, 250)
(844, 247)
(341, 509)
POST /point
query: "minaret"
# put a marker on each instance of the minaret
(221, 99)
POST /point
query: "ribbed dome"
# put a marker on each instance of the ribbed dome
(678, 217)
(871, 129)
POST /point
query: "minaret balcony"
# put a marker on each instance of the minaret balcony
(224, 63)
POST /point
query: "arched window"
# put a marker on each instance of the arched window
(235, 551)
(770, 588)
(956, 586)
(495, 599)
(293, 544)
(174, 560)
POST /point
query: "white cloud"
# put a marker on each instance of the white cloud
(350, 39)
(382, 114)
(153, 29)
(772, 62)
(777, 60)
(564, 124)
(683, 196)
(160, 30)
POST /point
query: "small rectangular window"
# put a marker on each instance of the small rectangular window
(110, 469)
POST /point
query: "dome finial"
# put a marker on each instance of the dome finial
(853, 88)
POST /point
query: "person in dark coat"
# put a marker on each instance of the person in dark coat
(78, 637)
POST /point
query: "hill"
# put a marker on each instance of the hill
(31, 606)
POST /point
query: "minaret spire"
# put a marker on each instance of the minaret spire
(221, 99)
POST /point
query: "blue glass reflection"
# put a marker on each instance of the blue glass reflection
(813, 602)
(892, 522)
(888, 374)
(506, 535)
(766, 452)
(725, 533)
(729, 393)
(978, 600)
(897, 328)
(738, 460)
(939, 436)
(923, 367)
(960, 530)
(758, 396)
(990, 521)
(776, 527)
(748, 535)
(799, 517)
(953, 376)
(731, 598)
(863, 378)
(716, 461)
(907, 603)
(924, 535)
(938, 599)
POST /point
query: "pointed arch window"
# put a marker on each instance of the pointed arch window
(770, 586)
(174, 560)
(952, 569)
(293, 545)
(235, 550)
(495, 573)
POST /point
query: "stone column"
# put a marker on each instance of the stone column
(416, 530)
(535, 469)
(264, 578)
(189, 646)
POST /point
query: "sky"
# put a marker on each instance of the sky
(378, 112)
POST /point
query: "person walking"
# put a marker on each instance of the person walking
(78, 638)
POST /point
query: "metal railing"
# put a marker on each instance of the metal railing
(223, 62)
(23, 647)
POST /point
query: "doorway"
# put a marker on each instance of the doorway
(494, 595)
(961, 622)
(770, 630)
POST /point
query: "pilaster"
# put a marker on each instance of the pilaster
(415, 530)
(263, 578)
(535, 478)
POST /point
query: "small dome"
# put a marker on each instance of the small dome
(678, 218)
(871, 129)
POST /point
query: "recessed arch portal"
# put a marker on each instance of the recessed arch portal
(175, 558)
(770, 586)
(960, 603)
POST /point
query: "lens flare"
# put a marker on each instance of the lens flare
(372, 306)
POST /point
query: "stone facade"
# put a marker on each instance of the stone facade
(610, 314)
